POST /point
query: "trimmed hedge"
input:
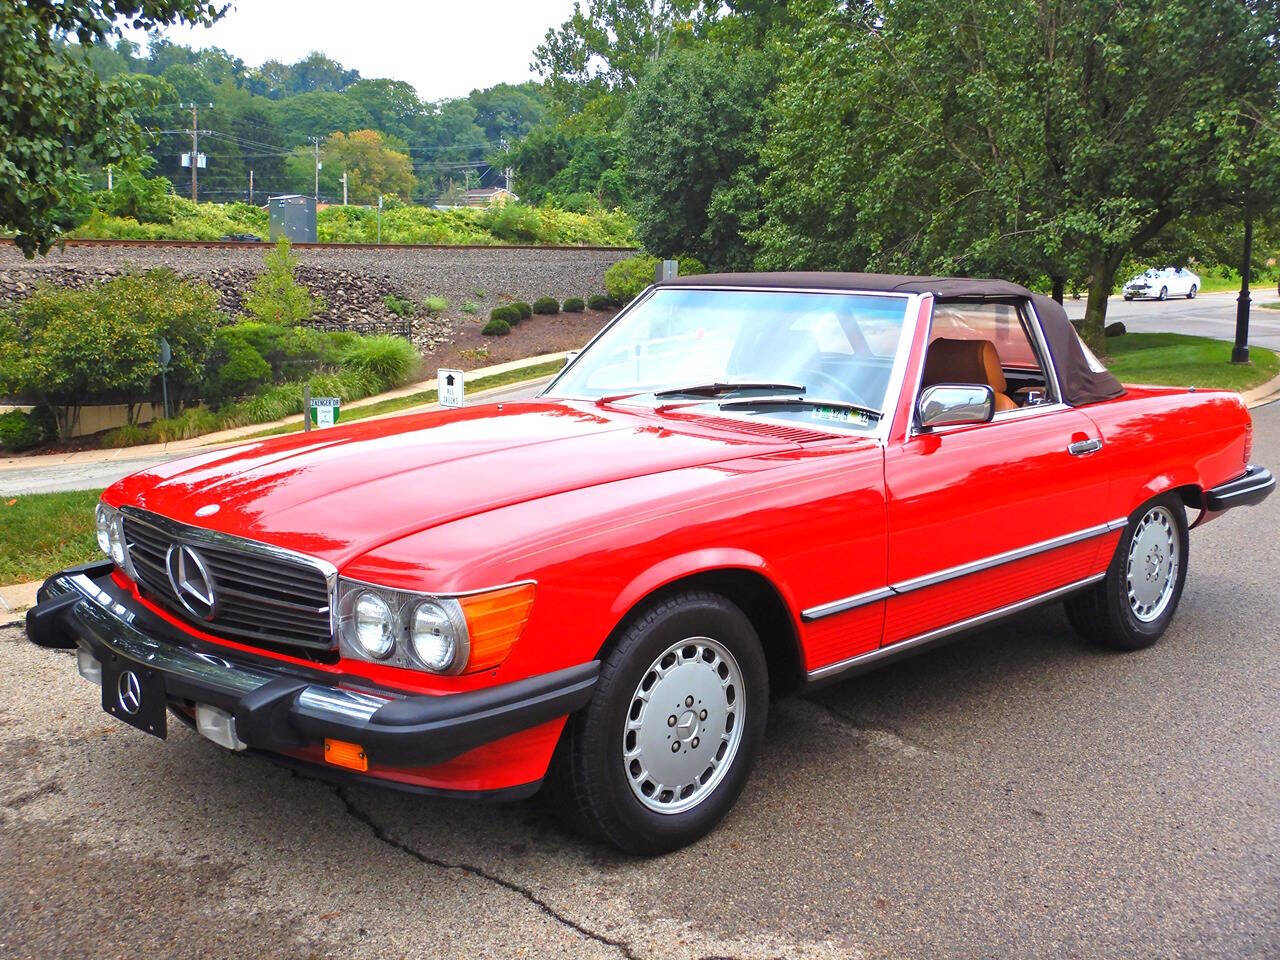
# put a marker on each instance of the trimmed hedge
(546, 305)
(508, 315)
(497, 327)
(19, 431)
(574, 305)
(602, 302)
(526, 311)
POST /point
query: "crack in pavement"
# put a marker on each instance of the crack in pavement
(381, 834)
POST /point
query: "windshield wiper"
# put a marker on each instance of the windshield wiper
(766, 402)
(716, 388)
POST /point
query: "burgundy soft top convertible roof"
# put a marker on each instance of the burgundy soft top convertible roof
(1081, 382)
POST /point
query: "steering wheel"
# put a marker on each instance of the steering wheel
(840, 389)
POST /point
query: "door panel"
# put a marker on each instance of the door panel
(967, 495)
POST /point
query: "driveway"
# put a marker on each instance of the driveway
(1016, 794)
(1208, 315)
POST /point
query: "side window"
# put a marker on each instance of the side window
(1020, 381)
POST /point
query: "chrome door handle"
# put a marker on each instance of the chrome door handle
(1082, 448)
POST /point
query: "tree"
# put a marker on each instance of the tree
(373, 167)
(56, 115)
(275, 296)
(318, 114)
(691, 135)
(1035, 138)
(393, 106)
(316, 72)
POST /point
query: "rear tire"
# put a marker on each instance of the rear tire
(1164, 293)
(1133, 605)
(624, 772)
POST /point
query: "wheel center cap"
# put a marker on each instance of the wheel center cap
(687, 726)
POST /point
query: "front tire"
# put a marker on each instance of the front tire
(665, 746)
(1191, 294)
(1133, 605)
(1164, 293)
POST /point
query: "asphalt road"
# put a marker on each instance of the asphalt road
(1208, 315)
(1016, 794)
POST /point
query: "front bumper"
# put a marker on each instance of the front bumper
(1253, 486)
(281, 708)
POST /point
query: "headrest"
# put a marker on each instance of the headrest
(964, 361)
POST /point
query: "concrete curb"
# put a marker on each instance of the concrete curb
(15, 599)
(1265, 393)
(209, 440)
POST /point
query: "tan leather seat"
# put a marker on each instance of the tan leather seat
(967, 361)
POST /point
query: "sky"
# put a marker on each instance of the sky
(444, 49)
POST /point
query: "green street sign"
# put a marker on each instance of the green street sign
(324, 410)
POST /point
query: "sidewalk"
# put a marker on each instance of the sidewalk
(208, 440)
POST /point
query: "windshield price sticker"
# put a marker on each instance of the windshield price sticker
(450, 388)
(324, 410)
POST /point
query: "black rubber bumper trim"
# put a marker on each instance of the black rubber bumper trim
(1253, 486)
(407, 731)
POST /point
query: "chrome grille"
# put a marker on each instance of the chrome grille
(264, 594)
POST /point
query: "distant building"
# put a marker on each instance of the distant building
(481, 197)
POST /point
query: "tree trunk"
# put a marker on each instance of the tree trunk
(1102, 277)
(1059, 287)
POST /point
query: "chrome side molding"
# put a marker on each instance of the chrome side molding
(962, 570)
(871, 657)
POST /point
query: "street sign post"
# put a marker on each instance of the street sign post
(450, 388)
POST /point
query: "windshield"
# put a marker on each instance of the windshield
(838, 347)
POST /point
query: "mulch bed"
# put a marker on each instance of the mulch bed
(539, 334)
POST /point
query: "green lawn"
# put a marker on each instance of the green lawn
(41, 533)
(1178, 360)
(426, 396)
(1275, 305)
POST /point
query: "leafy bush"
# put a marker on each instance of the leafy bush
(130, 435)
(496, 328)
(435, 305)
(238, 368)
(574, 305)
(526, 311)
(508, 315)
(601, 302)
(275, 297)
(627, 278)
(19, 431)
(64, 347)
(389, 361)
(399, 306)
(546, 305)
(471, 307)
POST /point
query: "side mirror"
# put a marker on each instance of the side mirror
(952, 404)
(571, 356)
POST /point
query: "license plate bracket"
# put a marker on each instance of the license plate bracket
(135, 694)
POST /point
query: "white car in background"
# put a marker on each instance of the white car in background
(1163, 283)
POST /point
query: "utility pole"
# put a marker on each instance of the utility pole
(195, 148)
(315, 141)
(251, 188)
(506, 173)
(110, 187)
(344, 188)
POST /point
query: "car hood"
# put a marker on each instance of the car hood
(339, 492)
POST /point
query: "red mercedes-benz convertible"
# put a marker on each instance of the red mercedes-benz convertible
(745, 484)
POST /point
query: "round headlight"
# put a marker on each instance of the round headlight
(374, 626)
(434, 635)
(102, 517)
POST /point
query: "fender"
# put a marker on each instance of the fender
(1170, 479)
(706, 560)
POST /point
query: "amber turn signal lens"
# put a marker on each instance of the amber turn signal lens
(494, 622)
(343, 754)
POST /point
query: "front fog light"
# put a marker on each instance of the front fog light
(102, 521)
(109, 528)
(374, 626)
(436, 636)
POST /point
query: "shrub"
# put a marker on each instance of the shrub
(192, 422)
(389, 361)
(526, 311)
(496, 328)
(574, 305)
(238, 368)
(508, 315)
(275, 297)
(546, 305)
(601, 302)
(627, 278)
(1116, 329)
(471, 307)
(435, 305)
(399, 306)
(130, 435)
(19, 431)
